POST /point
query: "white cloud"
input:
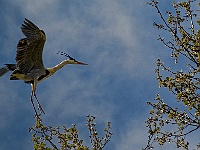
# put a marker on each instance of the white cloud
(8, 105)
(75, 97)
(95, 45)
(36, 8)
(104, 34)
(132, 136)
(115, 24)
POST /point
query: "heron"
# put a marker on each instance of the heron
(29, 65)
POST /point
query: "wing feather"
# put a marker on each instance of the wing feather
(29, 49)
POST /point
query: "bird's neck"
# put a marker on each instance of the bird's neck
(59, 66)
(50, 71)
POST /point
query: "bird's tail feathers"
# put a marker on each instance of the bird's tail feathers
(3, 70)
(11, 67)
(8, 67)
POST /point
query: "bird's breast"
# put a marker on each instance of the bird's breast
(42, 77)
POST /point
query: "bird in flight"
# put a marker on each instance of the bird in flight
(29, 65)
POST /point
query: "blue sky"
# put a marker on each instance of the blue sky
(116, 38)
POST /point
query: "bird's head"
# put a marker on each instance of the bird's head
(71, 60)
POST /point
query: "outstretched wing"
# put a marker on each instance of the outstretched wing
(29, 49)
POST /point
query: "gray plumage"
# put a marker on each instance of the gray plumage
(29, 67)
(29, 50)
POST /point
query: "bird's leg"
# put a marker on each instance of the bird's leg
(39, 106)
(31, 98)
(33, 93)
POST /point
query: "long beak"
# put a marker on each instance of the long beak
(81, 63)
